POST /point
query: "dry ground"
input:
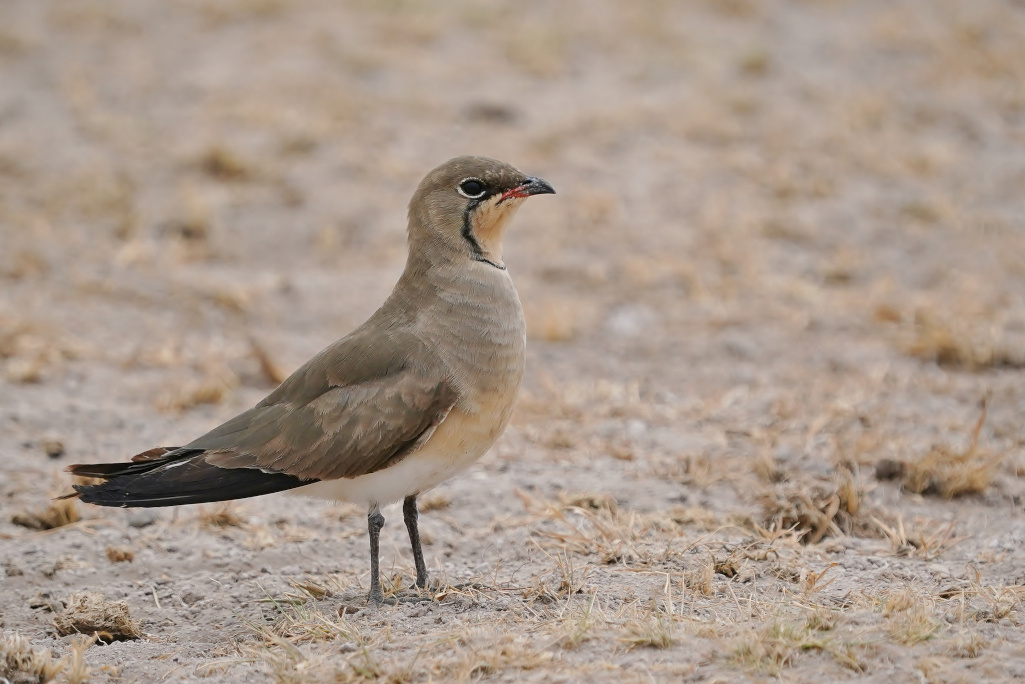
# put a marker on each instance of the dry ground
(774, 419)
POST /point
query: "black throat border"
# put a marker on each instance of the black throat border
(476, 251)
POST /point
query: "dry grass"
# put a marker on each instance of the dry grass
(737, 300)
(30, 353)
(224, 164)
(216, 385)
(949, 473)
(22, 664)
(434, 501)
(120, 554)
(59, 513)
(928, 541)
(219, 516)
(481, 653)
(911, 616)
(90, 613)
(292, 651)
(967, 645)
(813, 509)
(774, 646)
(654, 631)
(580, 622)
(960, 345)
(77, 671)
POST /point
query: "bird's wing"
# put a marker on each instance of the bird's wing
(357, 407)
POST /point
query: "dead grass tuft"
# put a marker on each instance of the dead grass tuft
(289, 664)
(958, 346)
(28, 352)
(592, 501)
(702, 580)
(997, 602)
(967, 645)
(478, 655)
(911, 616)
(120, 554)
(566, 579)
(814, 509)
(949, 473)
(216, 386)
(653, 631)
(90, 613)
(299, 621)
(823, 619)
(775, 646)
(924, 540)
(913, 627)
(434, 501)
(59, 513)
(223, 164)
(77, 671)
(219, 517)
(577, 625)
(22, 664)
(312, 588)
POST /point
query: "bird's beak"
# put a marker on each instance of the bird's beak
(531, 185)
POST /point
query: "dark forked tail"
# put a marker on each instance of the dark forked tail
(170, 476)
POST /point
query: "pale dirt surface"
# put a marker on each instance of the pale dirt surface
(788, 244)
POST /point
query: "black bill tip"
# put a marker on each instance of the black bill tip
(532, 185)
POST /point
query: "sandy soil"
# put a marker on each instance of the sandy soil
(773, 423)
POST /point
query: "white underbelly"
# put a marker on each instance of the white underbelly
(457, 443)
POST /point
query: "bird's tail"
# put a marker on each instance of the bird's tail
(170, 476)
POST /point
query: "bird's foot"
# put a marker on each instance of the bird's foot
(412, 596)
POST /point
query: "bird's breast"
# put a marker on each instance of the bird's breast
(477, 329)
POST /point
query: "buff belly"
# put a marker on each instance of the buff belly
(458, 442)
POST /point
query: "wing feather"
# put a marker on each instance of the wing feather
(350, 411)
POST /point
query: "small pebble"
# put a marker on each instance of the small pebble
(54, 448)
(142, 518)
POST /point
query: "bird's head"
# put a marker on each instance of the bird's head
(463, 207)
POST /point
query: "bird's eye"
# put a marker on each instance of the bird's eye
(472, 188)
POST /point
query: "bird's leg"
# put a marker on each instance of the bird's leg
(409, 514)
(375, 521)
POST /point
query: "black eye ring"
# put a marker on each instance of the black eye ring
(471, 188)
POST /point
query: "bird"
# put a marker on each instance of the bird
(411, 397)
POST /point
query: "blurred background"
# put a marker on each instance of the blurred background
(761, 204)
(197, 195)
(789, 242)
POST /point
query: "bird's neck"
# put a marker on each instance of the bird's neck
(487, 228)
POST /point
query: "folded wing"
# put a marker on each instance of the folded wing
(352, 410)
